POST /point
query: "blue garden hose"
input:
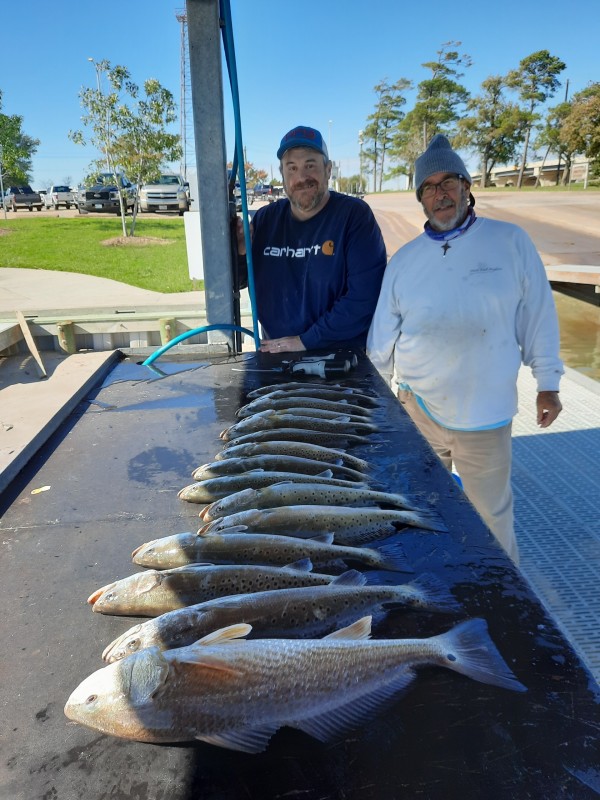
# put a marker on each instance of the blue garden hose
(225, 13)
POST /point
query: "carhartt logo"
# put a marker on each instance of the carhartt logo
(327, 249)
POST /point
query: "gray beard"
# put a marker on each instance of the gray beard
(462, 207)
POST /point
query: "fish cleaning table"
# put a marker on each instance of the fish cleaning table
(108, 481)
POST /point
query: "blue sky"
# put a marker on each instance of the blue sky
(314, 63)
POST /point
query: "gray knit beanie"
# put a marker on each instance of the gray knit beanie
(439, 157)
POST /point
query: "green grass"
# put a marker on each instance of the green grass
(74, 244)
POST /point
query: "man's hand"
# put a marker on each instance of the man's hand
(548, 408)
(287, 344)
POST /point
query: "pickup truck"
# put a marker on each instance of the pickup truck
(58, 196)
(103, 195)
(168, 193)
(16, 197)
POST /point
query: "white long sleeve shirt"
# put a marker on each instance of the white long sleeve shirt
(455, 328)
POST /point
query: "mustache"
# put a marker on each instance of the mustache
(445, 203)
(307, 184)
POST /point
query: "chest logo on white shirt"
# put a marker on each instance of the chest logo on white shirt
(482, 269)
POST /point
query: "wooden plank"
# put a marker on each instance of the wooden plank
(574, 273)
(31, 344)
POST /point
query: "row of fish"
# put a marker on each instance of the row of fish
(244, 636)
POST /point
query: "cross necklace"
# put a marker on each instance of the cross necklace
(446, 242)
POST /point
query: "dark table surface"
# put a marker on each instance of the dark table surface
(110, 478)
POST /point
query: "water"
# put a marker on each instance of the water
(579, 334)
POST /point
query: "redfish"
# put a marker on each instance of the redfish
(236, 693)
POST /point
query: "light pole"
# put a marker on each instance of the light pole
(2, 180)
(360, 160)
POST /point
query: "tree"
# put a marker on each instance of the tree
(439, 97)
(550, 137)
(382, 125)
(438, 100)
(253, 174)
(536, 81)
(493, 129)
(132, 138)
(580, 130)
(17, 149)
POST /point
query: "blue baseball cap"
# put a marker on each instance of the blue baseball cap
(303, 136)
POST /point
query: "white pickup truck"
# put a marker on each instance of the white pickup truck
(168, 193)
(58, 196)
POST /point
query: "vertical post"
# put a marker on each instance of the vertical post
(211, 161)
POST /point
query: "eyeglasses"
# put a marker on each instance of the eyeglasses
(447, 185)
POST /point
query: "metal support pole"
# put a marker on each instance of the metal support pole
(211, 160)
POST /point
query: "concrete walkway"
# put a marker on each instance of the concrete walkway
(556, 479)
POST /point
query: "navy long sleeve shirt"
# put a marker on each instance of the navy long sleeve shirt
(318, 279)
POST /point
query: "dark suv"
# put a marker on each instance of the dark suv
(103, 194)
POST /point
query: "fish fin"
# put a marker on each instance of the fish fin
(393, 558)
(246, 740)
(322, 538)
(204, 531)
(238, 631)
(302, 565)
(470, 651)
(327, 473)
(350, 578)
(350, 714)
(430, 520)
(151, 579)
(149, 672)
(433, 592)
(361, 629)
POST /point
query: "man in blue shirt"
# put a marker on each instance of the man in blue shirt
(318, 255)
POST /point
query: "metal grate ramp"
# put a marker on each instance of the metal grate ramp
(556, 480)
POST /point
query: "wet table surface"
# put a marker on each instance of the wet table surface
(109, 481)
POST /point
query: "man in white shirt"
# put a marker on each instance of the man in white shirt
(461, 306)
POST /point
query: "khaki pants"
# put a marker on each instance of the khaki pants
(483, 461)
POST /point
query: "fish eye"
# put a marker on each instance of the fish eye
(91, 699)
(450, 657)
(133, 644)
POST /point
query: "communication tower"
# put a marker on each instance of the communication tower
(188, 156)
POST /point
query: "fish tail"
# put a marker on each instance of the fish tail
(392, 557)
(430, 591)
(468, 649)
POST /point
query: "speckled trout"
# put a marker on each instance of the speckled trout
(148, 594)
(350, 526)
(325, 391)
(271, 463)
(305, 613)
(212, 489)
(275, 401)
(270, 420)
(236, 693)
(324, 438)
(296, 493)
(291, 448)
(263, 548)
